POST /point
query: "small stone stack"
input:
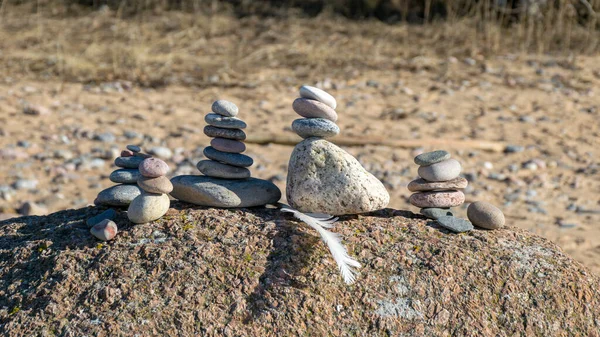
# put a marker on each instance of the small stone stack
(225, 153)
(318, 108)
(439, 187)
(126, 177)
(154, 201)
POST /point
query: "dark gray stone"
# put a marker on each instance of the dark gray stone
(118, 195)
(213, 131)
(109, 214)
(224, 122)
(129, 162)
(125, 176)
(235, 159)
(215, 169)
(315, 127)
(228, 145)
(134, 148)
(434, 213)
(457, 225)
(224, 108)
(428, 158)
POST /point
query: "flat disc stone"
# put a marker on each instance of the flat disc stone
(443, 171)
(224, 122)
(437, 199)
(421, 184)
(235, 159)
(125, 176)
(457, 225)
(128, 162)
(213, 131)
(228, 145)
(134, 148)
(428, 158)
(309, 92)
(224, 108)
(118, 195)
(315, 127)
(226, 193)
(313, 109)
(434, 213)
(160, 185)
(215, 169)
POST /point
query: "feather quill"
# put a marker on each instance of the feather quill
(333, 240)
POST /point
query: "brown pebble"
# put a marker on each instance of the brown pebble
(485, 215)
(126, 153)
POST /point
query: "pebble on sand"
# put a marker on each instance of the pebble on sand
(485, 215)
(105, 230)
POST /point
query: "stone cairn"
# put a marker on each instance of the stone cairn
(323, 178)
(154, 201)
(226, 180)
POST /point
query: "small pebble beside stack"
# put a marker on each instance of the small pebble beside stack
(154, 201)
(318, 108)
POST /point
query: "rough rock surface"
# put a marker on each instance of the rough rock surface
(323, 178)
(256, 272)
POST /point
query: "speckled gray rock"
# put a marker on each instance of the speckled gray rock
(315, 127)
(105, 230)
(129, 162)
(213, 131)
(228, 145)
(225, 108)
(159, 185)
(457, 225)
(134, 148)
(421, 184)
(226, 193)
(485, 215)
(428, 158)
(313, 109)
(108, 214)
(442, 171)
(323, 178)
(442, 199)
(125, 176)
(434, 213)
(215, 169)
(118, 195)
(148, 207)
(309, 92)
(224, 122)
(235, 159)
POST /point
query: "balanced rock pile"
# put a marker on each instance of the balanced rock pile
(323, 178)
(226, 180)
(127, 177)
(154, 201)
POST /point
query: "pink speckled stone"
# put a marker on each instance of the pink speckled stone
(153, 167)
(437, 199)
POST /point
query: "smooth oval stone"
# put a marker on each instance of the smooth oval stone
(142, 155)
(315, 127)
(226, 193)
(224, 108)
(309, 92)
(434, 213)
(421, 184)
(158, 185)
(148, 207)
(485, 215)
(428, 158)
(313, 109)
(224, 122)
(442, 171)
(457, 225)
(125, 176)
(228, 145)
(104, 230)
(127, 153)
(437, 199)
(108, 214)
(213, 131)
(235, 159)
(133, 148)
(153, 167)
(118, 195)
(128, 162)
(215, 169)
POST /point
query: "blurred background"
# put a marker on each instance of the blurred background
(509, 87)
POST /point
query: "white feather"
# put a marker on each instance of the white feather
(319, 222)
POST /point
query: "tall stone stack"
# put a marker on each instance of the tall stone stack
(226, 181)
(323, 178)
(154, 201)
(439, 187)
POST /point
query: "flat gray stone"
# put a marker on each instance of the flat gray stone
(108, 214)
(457, 225)
(129, 162)
(148, 207)
(434, 213)
(443, 171)
(313, 109)
(428, 158)
(224, 122)
(226, 193)
(224, 108)
(134, 148)
(118, 195)
(315, 127)
(309, 92)
(235, 159)
(485, 215)
(228, 145)
(215, 169)
(213, 131)
(422, 185)
(125, 176)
